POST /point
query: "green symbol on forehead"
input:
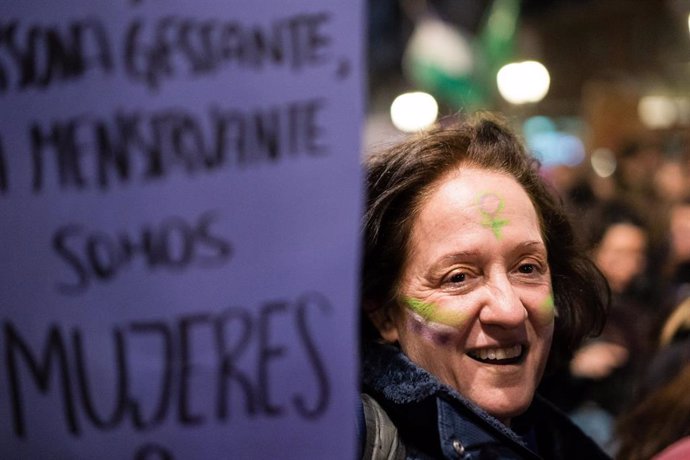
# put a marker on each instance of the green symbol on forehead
(490, 206)
(430, 312)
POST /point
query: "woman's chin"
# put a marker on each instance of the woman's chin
(506, 408)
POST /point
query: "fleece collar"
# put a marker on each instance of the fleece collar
(386, 370)
(389, 372)
(401, 385)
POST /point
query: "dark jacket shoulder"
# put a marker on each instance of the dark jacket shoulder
(434, 421)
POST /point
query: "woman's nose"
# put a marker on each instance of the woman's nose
(502, 305)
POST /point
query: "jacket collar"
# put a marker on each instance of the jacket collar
(387, 371)
(401, 385)
(390, 373)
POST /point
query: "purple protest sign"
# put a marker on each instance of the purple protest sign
(180, 196)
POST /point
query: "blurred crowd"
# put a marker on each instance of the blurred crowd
(629, 388)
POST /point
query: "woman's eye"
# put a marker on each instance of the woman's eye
(527, 268)
(457, 278)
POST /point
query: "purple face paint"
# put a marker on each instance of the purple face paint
(442, 338)
(439, 334)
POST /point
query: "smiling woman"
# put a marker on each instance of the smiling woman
(472, 282)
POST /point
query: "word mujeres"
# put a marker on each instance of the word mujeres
(38, 55)
(247, 360)
(85, 152)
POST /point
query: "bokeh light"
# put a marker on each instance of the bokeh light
(523, 82)
(551, 146)
(657, 112)
(414, 111)
(603, 162)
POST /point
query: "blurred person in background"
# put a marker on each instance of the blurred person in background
(678, 270)
(657, 426)
(602, 375)
(671, 182)
(634, 174)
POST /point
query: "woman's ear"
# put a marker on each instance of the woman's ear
(383, 320)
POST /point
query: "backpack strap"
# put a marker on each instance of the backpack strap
(382, 439)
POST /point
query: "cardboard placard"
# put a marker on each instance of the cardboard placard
(180, 197)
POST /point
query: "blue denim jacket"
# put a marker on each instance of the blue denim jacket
(435, 422)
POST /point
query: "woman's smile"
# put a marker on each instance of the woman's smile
(498, 355)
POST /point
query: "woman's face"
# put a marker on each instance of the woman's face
(621, 255)
(476, 303)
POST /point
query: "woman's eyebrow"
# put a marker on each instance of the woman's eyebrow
(449, 259)
(460, 256)
(533, 245)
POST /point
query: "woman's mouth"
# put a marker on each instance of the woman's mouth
(498, 355)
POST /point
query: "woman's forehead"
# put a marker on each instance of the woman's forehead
(473, 208)
(478, 191)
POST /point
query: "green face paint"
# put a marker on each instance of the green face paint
(432, 313)
(490, 206)
(548, 309)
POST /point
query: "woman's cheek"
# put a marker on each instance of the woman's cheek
(430, 312)
(545, 312)
(438, 325)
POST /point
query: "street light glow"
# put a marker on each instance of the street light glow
(523, 82)
(415, 111)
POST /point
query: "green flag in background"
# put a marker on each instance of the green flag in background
(457, 68)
